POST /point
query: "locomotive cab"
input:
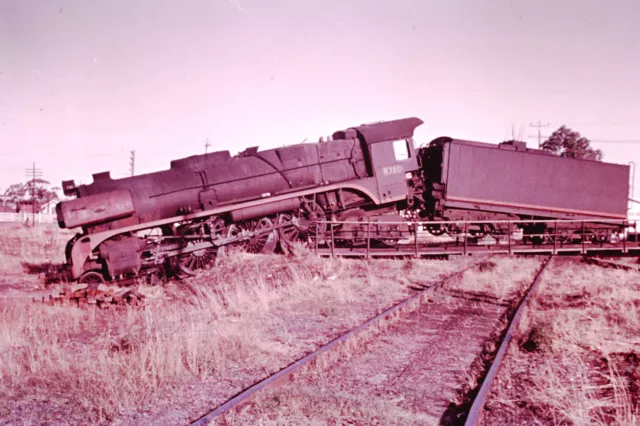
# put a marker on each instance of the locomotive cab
(392, 159)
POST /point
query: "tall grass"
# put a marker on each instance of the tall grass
(223, 329)
(578, 358)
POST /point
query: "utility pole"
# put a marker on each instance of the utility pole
(33, 174)
(132, 162)
(539, 126)
(207, 144)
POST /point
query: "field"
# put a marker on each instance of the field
(577, 359)
(197, 342)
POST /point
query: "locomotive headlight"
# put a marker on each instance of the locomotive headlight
(408, 175)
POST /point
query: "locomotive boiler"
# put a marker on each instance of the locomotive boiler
(173, 222)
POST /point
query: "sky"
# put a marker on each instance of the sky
(82, 83)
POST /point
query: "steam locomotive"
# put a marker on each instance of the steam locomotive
(175, 221)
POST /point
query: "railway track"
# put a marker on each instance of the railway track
(609, 264)
(415, 327)
(477, 407)
(480, 395)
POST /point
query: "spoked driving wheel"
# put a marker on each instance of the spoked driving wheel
(192, 236)
(264, 241)
(302, 226)
(289, 229)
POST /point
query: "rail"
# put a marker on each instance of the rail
(244, 396)
(477, 407)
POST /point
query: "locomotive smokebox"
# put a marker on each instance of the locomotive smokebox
(94, 209)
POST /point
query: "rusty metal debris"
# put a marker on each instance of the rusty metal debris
(101, 295)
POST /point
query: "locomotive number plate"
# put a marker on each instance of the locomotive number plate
(392, 170)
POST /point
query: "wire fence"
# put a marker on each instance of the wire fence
(27, 218)
(509, 236)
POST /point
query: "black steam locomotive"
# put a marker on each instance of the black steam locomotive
(174, 221)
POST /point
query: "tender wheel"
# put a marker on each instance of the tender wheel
(387, 242)
(479, 230)
(559, 236)
(204, 258)
(453, 229)
(436, 230)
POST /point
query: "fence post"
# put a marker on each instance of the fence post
(555, 237)
(466, 237)
(583, 238)
(368, 236)
(415, 230)
(332, 240)
(317, 233)
(509, 234)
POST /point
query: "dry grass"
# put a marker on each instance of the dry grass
(320, 404)
(195, 343)
(578, 361)
(508, 277)
(23, 248)
(405, 376)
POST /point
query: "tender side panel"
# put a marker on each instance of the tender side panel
(494, 176)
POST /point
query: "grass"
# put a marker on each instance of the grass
(578, 357)
(194, 344)
(199, 341)
(398, 378)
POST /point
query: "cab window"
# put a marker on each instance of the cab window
(401, 150)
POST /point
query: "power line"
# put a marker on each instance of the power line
(615, 141)
(132, 162)
(539, 126)
(33, 173)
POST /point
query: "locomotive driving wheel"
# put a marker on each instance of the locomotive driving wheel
(192, 235)
(303, 225)
(262, 242)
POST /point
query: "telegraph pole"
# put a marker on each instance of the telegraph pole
(33, 174)
(132, 162)
(207, 144)
(539, 126)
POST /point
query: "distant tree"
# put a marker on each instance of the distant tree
(569, 143)
(39, 189)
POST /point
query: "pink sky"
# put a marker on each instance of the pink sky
(84, 82)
